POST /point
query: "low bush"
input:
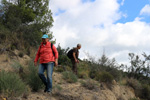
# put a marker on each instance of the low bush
(57, 87)
(133, 99)
(83, 74)
(89, 84)
(64, 60)
(17, 66)
(136, 85)
(104, 77)
(117, 74)
(69, 77)
(83, 70)
(21, 54)
(146, 92)
(59, 69)
(92, 74)
(11, 85)
(32, 78)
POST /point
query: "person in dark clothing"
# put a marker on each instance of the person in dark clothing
(73, 55)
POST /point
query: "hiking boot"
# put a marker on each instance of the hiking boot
(45, 89)
(49, 92)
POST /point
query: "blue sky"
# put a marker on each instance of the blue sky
(132, 8)
(119, 26)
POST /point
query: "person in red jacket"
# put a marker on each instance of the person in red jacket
(48, 58)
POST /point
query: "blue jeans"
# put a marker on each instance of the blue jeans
(47, 81)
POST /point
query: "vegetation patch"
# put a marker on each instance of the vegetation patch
(104, 77)
(11, 85)
(69, 77)
(31, 77)
(89, 84)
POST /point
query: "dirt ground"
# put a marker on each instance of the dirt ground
(69, 91)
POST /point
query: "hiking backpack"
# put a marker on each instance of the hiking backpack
(70, 54)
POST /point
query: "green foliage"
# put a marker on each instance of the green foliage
(11, 85)
(68, 68)
(104, 77)
(21, 54)
(139, 68)
(134, 83)
(63, 59)
(104, 64)
(117, 74)
(24, 22)
(31, 77)
(139, 72)
(57, 87)
(105, 61)
(133, 99)
(146, 91)
(83, 70)
(69, 77)
(60, 69)
(89, 84)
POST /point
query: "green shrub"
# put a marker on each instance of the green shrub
(13, 47)
(21, 54)
(67, 68)
(83, 74)
(32, 78)
(62, 68)
(133, 99)
(64, 60)
(94, 69)
(11, 85)
(59, 69)
(104, 77)
(117, 75)
(57, 87)
(17, 66)
(89, 84)
(136, 85)
(69, 77)
(83, 70)
(146, 92)
(92, 74)
(123, 81)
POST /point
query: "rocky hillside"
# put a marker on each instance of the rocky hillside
(75, 91)
(63, 90)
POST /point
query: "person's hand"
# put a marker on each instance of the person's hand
(77, 61)
(35, 63)
(56, 62)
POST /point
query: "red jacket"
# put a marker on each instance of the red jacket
(45, 53)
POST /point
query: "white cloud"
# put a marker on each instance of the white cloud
(145, 10)
(132, 33)
(55, 5)
(92, 25)
(122, 3)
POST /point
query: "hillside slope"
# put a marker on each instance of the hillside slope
(75, 91)
(70, 91)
